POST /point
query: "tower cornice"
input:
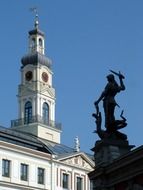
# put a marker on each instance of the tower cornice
(36, 31)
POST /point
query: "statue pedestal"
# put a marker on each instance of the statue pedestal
(106, 150)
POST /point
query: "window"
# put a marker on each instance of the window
(40, 42)
(46, 113)
(6, 168)
(28, 112)
(33, 42)
(65, 181)
(41, 172)
(79, 183)
(24, 172)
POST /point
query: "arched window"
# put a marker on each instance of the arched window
(33, 42)
(40, 42)
(46, 113)
(28, 112)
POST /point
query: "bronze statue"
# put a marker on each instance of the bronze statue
(109, 104)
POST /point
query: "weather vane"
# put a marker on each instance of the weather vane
(35, 10)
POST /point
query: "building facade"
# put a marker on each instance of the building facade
(31, 154)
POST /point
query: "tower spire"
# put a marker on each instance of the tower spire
(35, 10)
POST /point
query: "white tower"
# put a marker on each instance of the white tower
(36, 95)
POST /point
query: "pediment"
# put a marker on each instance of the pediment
(47, 91)
(79, 161)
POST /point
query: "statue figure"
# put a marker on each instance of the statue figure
(109, 104)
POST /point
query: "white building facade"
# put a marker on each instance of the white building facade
(31, 154)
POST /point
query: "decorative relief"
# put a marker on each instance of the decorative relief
(79, 162)
(47, 90)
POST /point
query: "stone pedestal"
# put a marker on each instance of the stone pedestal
(106, 150)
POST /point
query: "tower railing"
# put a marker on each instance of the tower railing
(35, 119)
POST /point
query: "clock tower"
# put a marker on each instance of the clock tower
(36, 95)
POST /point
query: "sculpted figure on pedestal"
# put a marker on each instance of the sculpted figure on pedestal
(109, 103)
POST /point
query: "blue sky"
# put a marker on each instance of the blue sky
(84, 39)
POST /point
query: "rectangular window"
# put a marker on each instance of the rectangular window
(6, 168)
(79, 183)
(65, 181)
(24, 172)
(41, 172)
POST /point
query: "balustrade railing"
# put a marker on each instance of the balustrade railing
(35, 119)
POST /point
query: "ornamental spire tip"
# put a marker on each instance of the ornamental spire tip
(35, 10)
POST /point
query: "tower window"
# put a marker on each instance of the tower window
(28, 112)
(33, 42)
(40, 42)
(45, 113)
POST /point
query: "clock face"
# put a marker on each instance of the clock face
(44, 76)
(28, 75)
